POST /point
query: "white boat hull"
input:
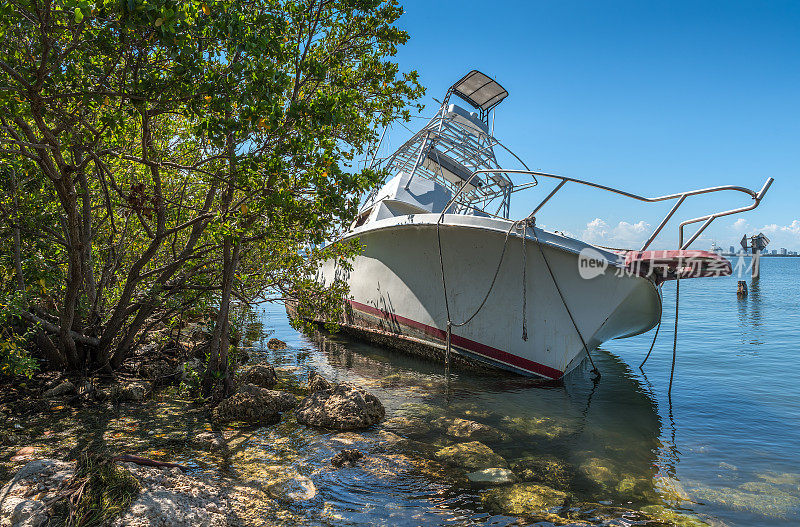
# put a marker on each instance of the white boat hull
(397, 298)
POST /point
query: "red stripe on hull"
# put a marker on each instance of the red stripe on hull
(465, 343)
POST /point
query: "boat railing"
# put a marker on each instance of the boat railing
(679, 197)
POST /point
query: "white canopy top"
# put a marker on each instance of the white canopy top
(480, 90)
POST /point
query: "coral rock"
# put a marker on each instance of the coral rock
(342, 407)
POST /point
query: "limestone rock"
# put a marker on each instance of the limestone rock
(42, 477)
(276, 344)
(255, 405)
(528, 499)
(342, 407)
(170, 498)
(492, 476)
(132, 392)
(346, 457)
(161, 371)
(64, 388)
(259, 374)
(471, 456)
(317, 383)
(466, 429)
(209, 441)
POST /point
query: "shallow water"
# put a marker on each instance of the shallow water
(724, 446)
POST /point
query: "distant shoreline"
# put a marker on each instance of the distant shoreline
(765, 255)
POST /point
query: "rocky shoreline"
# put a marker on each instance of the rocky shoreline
(240, 461)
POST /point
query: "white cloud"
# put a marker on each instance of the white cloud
(624, 235)
(740, 225)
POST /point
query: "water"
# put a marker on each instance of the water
(724, 446)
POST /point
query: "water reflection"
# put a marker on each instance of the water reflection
(750, 315)
(597, 441)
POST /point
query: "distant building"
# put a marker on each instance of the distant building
(774, 251)
(783, 251)
(732, 250)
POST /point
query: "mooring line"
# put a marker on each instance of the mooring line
(651, 345)
(563, 300)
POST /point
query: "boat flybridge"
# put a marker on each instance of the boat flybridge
(445, 273)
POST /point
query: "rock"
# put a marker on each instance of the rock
(255, 405)
(242, 356)
(64, 388)
(172, 499)
(318, 383)
(390, 438)
(547, 470)
(347, 438)
(541, 428)
(596, 470)
(528, 499)
(160, 371)
(290, 486)
(22, 500)
(408, 426)
(472, 456)
(344, 407)
(25, 453)
(671, 517)
(276, 344)
(131, 392)
(259, 374)
(346, 457)
(492, 476)
(190, 368)
(466, 429)
(209, 441)
(636, 489)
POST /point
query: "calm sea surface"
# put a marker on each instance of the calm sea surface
(725, 446)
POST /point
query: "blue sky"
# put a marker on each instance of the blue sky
(654, 98)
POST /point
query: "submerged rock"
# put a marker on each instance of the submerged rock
(346, 457)
(259, 374)
(466, 429)
(408, 426)
(340, 407)
(597, 470)
(64, 388)
(287, 484)
(492, 476)
(529, 499)
(276, 344)
(472, 456)
(548, 470)
(673, 518)
(255, 405)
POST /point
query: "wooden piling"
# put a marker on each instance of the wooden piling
(741, 292)
(756, 267)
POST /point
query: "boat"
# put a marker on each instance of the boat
(445, 273)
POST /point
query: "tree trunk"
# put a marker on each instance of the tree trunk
(218, 364)
(20, 280)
